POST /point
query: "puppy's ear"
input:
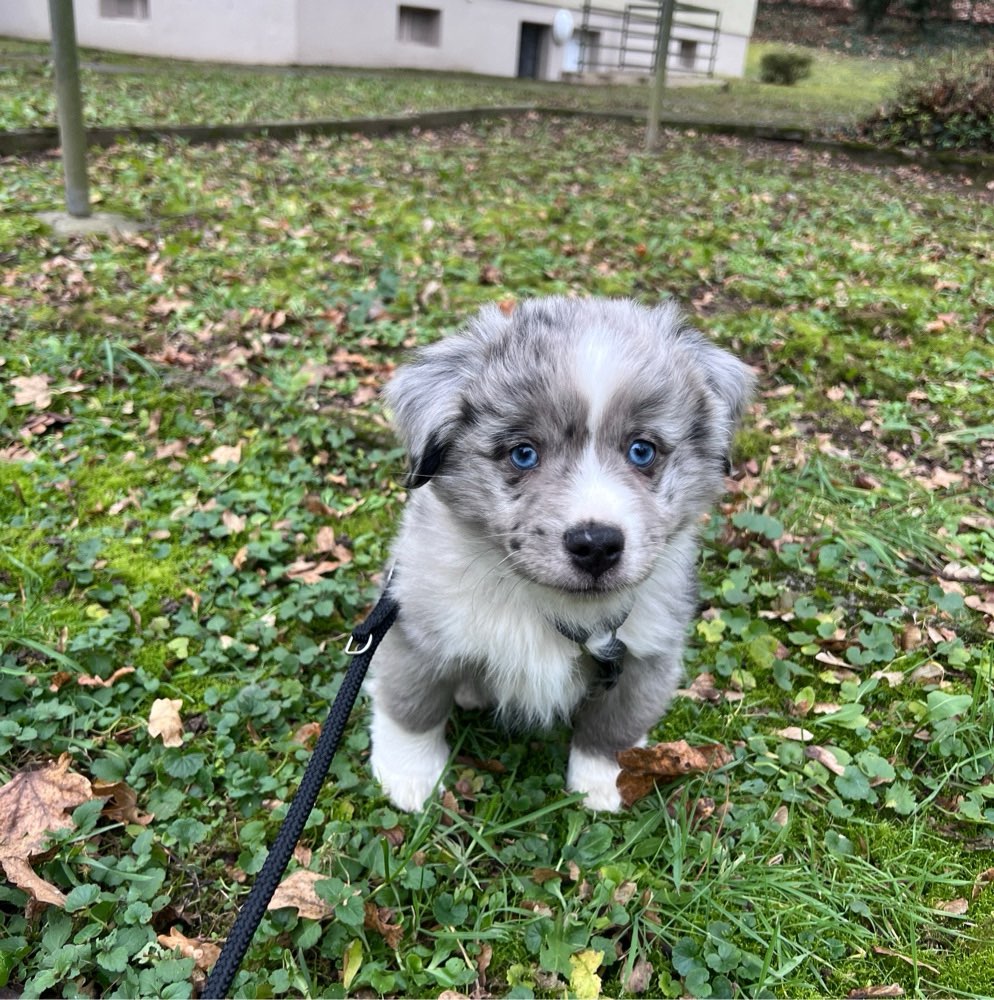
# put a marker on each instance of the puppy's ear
(426, 400)
(728, 379)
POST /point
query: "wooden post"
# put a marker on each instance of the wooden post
(659, 80)
(72, 135)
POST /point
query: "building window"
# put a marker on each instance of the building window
(134, 10)
(419, 25)
(687, 55)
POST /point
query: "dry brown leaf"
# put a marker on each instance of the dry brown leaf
(307, 734)
(324, 540)
(225, 454)
(796, 733)
(297, 892)
(984, 879)
(911, 637)
(702, 689)
(826, 758)
(164, 721)
(311, 572)
(894, 678)
(640, 978)
(17, 453)
(203, 953)
(957, 907)
(33, 803)
(927, 673)
(377, 918)
(122, 802)
(86, 680)
(960, 573)
(868, 992)
(235, 523)
(642, 767)
(832, 660)
(32, 390)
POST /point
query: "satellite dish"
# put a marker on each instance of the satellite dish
(562, 27)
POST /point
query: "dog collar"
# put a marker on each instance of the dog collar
(603, 646)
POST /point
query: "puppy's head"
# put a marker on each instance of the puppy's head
(575, 437)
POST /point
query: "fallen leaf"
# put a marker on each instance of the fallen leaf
(927, 674)
(171, 449)
(122, 802)
(640, 978)
(33, 803)
(911, 637)
(377, 918)
(32, 390)
(297, 892)
(164, 720)
(893, 990)
(235, 523)
(701, 689)
(984, 879)
(312, 572)
(225, 454)
(203, 953)
(957, 907)
(960, 573)
(324, 540)
(584, 982)
(87, 680)
(796, 733)
(780, 817)
(642, 767)
(826, 758)
(307, 734)
(894, 678)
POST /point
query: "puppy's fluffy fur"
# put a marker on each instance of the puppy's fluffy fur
(561, 460)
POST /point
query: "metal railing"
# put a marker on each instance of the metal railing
(614, 40)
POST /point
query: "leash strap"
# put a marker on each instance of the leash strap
(361, 647)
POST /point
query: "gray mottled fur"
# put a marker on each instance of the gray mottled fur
(480, 567)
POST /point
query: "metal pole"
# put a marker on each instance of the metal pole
(659, 81)
(70, 107)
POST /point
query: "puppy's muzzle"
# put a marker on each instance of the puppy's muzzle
(594, 547)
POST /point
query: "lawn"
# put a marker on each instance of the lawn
(122, 90)
(199, 489)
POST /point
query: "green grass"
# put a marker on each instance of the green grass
(273, 287)
(162, 91)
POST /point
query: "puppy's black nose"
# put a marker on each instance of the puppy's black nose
(594, 548)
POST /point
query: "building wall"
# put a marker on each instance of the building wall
(476, 36)
(244, 31)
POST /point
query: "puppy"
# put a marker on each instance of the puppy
(561, 458)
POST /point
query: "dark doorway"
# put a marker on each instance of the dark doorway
(532, 49)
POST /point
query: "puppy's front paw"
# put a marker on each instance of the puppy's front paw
(409, 766)
(596, 776)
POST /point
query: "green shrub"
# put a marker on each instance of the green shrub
(945, 104)
(785, 68)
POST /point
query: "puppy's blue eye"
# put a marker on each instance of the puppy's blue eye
(524, 456)
(641, 454)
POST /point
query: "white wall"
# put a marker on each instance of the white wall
(477, 36)
(246, 31)
(24, 19)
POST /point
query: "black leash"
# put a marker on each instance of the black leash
(361, 647)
